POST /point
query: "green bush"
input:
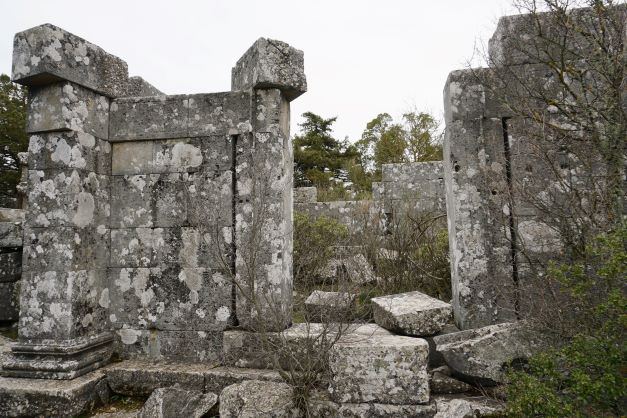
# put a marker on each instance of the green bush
(587, 376)
(313, 242)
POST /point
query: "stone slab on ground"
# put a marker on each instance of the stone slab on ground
(412, 313)
(173, 402)
(479, 355)
(142, 377)
(257, 399)
(220, 377)
(329, 306)
(45, 397)
(466, 406)
(387, 369)
(377, 410)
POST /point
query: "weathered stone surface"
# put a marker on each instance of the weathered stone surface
(142, 377)
(46, 53)
(218, 378)
(173, 402)
(480, 355)
(10, 266)
(61, 106)
(10, 234)
(138, 87)
(41, 397)
(305, 194)
(442, 383)
(9, 301)
(256, 399)
(415, 187)
(11, 215)
(180, 116)
(380, 369)
(350, 265)
(466, 406)
(69, 150)
(329, 306)
(377, 410)
(271, 64)
(412, 313)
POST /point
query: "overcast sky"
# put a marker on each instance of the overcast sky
(362, 57)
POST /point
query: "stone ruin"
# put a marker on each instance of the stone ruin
(157, 229)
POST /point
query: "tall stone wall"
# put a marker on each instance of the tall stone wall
(506, 190)
(153, 221)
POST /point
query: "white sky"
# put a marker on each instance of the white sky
(362, 57)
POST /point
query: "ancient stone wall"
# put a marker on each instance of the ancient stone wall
(10, 263)
(509, 180)
(153, 221)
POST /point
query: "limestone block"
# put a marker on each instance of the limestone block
(210, 203)
(10, 266)
(61, 106)
(68, 198)
(42, 397)
(480, 355)
(46, 53)
(305, 194)
(356, 215)
(219, 114)
(142, 377)
(169, 298)
(180, 116)
(467, 406)
(378, 190)
(167, 345)
(10, 234)
(218, 378)
(271, 64)
(63, 304)
(186, 247)
(377, 410)
(353, 268)
(69, 150)
(138, 87)
(64, 248)
(173, 402)
(9, 301)
(329, 306)
(256, 399)
(412, 313)
(379, 369)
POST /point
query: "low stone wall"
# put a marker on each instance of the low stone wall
(356, 215)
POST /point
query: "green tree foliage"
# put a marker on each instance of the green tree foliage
(385, 141)
(318, 156)
(13, 138)
(586, 377)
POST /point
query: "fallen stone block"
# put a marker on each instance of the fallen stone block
(173, 402)
(379, 368)
(257, 399)
(348, 265)
(22, 397)
(411, 313)
(329, 306)
(219, 378)
(481, 355)
(377, 410)
(435, 358)
(466, 406)
(142, 377)
(442, 383)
